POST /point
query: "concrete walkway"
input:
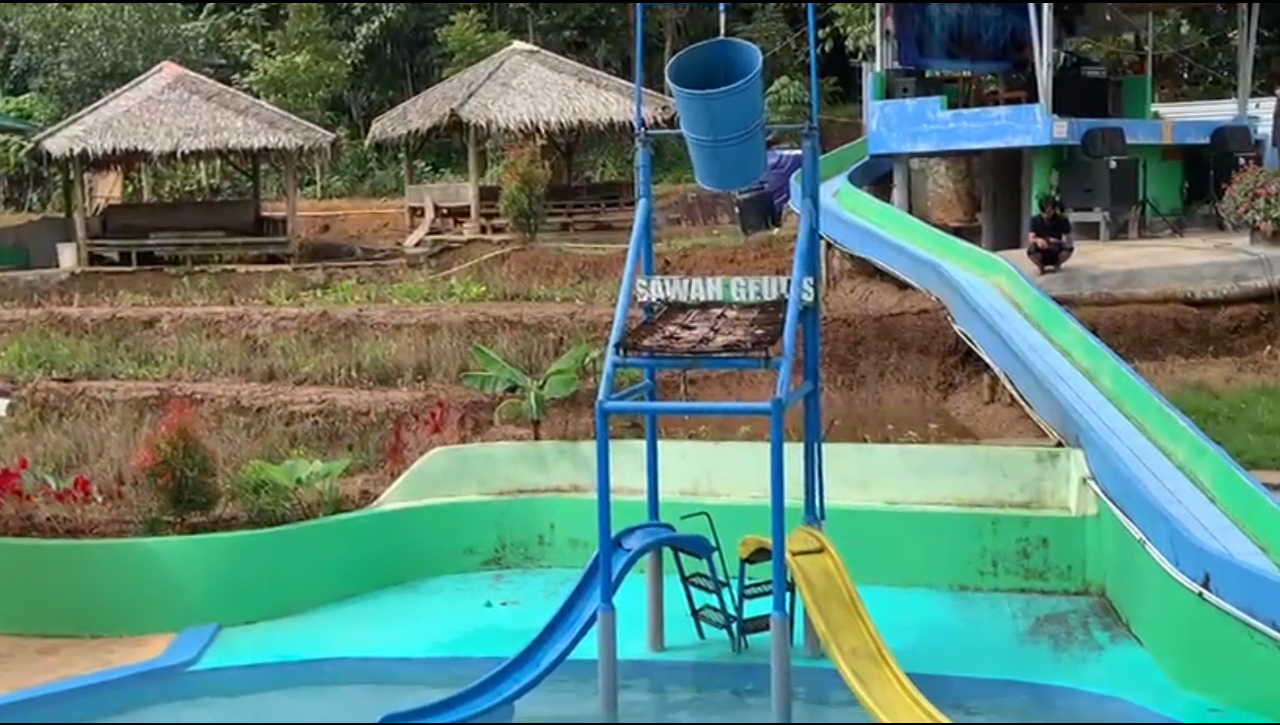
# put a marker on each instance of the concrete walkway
(1208, 267)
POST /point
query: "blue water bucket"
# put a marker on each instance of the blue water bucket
(718, 87)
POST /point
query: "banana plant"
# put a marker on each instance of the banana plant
(525, 396)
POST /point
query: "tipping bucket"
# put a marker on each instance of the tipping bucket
(718, 87)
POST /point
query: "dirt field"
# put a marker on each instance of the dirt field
(894, 370)
(30, 661)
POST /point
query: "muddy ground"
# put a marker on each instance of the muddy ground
(343, 377)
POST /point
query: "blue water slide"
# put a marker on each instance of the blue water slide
(1192, 536)
(576, 616)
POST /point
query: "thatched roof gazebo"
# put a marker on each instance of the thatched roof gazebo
(520, 90)
(172, 113)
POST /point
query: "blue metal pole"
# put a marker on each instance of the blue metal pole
(815, 101)
(779, 620)
(812, 314)
(810, 188)
(606, 616)
(644, 191)
(606, 620)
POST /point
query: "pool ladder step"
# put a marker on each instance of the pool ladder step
(757, 589)
(727, 610)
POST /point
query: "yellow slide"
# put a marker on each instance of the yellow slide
(846, 631)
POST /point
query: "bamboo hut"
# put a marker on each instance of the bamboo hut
(171, 113)
(521, 90)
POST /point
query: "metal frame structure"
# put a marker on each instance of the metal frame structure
(799, 345)
(1042, 35)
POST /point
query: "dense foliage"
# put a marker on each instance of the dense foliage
(341, 64)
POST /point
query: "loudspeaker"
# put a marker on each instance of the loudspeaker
(1104, 142)
(1075, 96)
(1234, 140)
(904, 83)
(756, 212)
(1099, 183)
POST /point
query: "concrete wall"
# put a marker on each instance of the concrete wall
(37, 239)
(1016, 533)
(1048, 479)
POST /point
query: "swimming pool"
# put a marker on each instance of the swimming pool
(362, 690)
(989, 658)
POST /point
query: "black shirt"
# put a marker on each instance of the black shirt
(1056, 228)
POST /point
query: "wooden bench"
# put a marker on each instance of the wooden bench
(188, 230)
(1101, 217)
(569, 206)
(190, 248)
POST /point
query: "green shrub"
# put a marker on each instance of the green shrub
(270, 494)
(523, 198)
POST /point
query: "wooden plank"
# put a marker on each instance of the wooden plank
(192, 242)
(418, 234)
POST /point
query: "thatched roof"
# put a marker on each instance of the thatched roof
(521, 89)
(170, 111)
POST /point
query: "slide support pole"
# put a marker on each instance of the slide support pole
(607, 670)
(606, 622)
(644, 190)
(779, 619)
(815, 508)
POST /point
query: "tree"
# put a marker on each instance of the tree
(467, 40)
(523, 196)
(525, 396)
(75, 53)
(854, 25)
(301, 67)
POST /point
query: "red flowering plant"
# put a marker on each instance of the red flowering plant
(34, 502)
(415, 434)
(1252, 200)
(178, 466)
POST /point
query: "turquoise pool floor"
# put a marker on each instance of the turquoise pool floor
(1057, 640)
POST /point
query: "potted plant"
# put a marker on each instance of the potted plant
(1252, 201)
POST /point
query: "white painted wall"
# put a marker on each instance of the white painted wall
(1048, 479)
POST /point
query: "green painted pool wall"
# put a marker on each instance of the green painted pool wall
(1204, 649)
(1054, 540)
(461, 509)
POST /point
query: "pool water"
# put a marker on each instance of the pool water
(352, 691)
(987, 658)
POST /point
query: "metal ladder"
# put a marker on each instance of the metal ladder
(723, 612)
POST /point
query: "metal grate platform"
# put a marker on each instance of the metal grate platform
(684, 329)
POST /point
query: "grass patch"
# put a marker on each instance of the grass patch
(307, 288)
(1244, 421)
(312, 353)
(101, 438)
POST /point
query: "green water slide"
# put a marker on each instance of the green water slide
(1196, 512)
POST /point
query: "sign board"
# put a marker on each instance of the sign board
(723, 290)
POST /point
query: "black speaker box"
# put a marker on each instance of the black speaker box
(1104, 142)
(756, 212)
(1099, 183)
(1232, 140)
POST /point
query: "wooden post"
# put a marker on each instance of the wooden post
(473, 176)
(409, 148)
(144, 175)
(255, 182)
(78, 213)
(291, 203)
(68, 197)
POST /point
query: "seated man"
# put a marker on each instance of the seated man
(1049, 244)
